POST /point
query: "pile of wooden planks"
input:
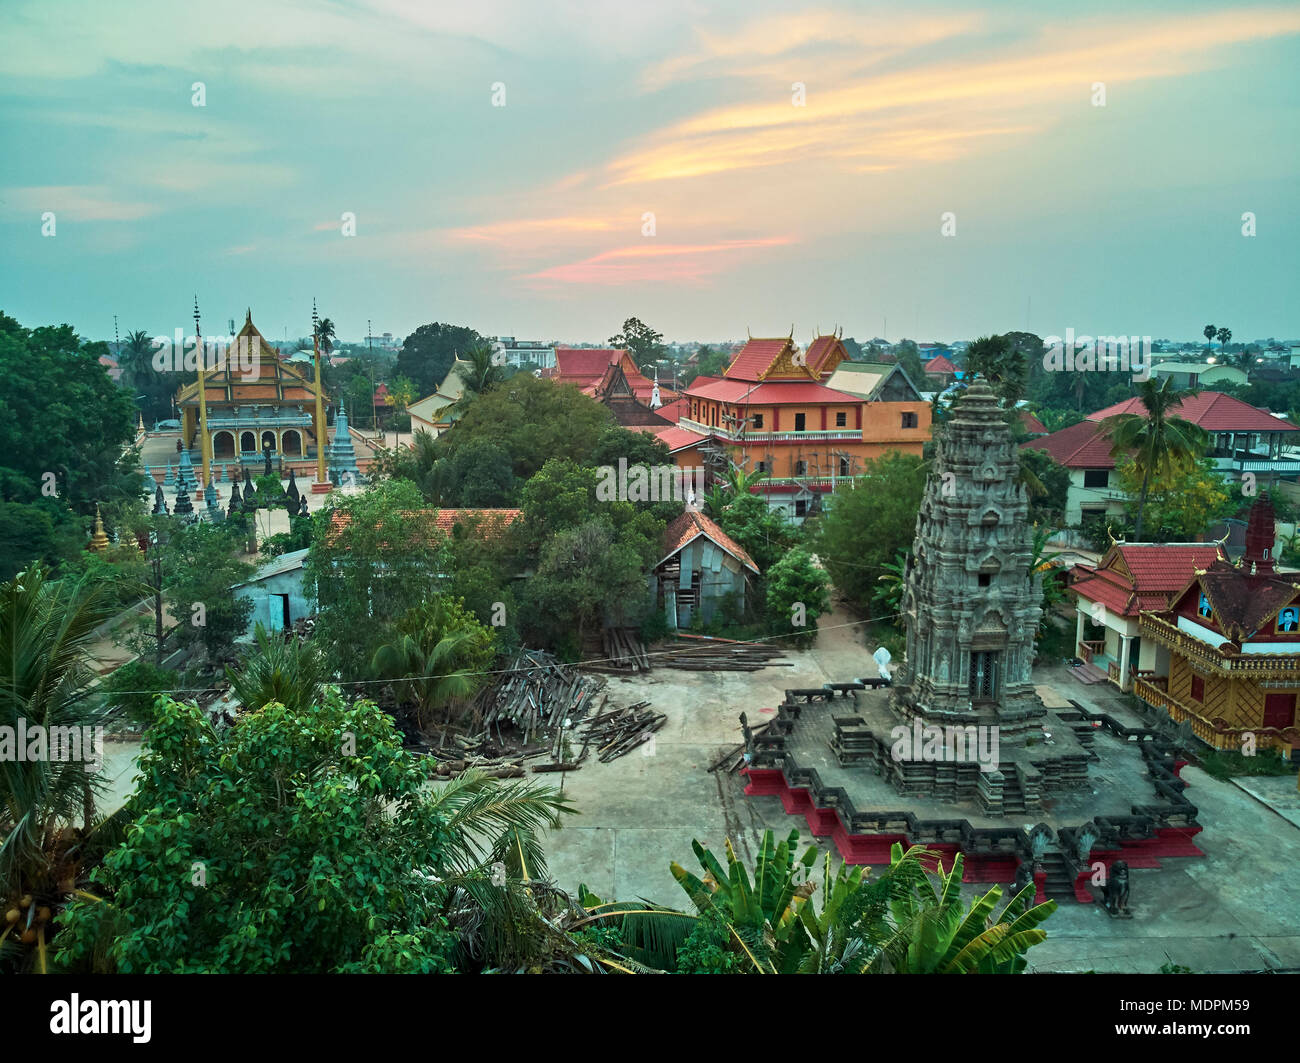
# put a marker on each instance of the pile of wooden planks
(538, 694)
(721, 655)
(619, 731)
(624, 653)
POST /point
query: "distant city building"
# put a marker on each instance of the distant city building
(524, 352)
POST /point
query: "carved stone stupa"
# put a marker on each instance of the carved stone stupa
(971, 603)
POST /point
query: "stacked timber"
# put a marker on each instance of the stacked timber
(624, 652)
(619, 731)
(702, 654)
(537, 694)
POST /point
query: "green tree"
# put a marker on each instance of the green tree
(203, 569)
(479, 474)
(374, 556)
(274, 849)
(134, 687)
(866, 526)
(1181, 504)
(1223, 335)
(643, 343)
(764, 533)
(56, 391)
(585, 575)
(429, 352)
(1208, 332)
(533, 421)
(797, 594)
(1050, 486)
(1161, 444)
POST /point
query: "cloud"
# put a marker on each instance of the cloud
(1021, 88)
(680, 263)
(78, 203)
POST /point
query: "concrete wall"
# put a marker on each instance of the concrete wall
(268, 608)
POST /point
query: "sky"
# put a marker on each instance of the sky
(546, 170)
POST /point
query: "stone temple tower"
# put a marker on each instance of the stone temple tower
(970, 601)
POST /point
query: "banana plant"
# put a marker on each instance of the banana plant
(936, 935)
(768, 906)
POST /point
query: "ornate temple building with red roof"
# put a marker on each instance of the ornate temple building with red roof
(773, 411)
(254, 403)
(1227, 649)
(611, 377)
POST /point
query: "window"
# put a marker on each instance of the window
(762, 466)
(1198, 689)
(801, 468)
(799, 419)
(841, 419)
(985, 579)
(909, 420)
(983, 675)
(844, 466)
(800, 507)
(758, 420)
(1096, 477)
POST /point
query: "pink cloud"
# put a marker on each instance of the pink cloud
(655, 262)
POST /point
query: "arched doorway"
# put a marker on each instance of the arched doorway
(292, 444)
(248, 443)
(268, 439)
(223, 445)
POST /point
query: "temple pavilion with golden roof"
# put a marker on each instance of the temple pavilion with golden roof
(252, 402)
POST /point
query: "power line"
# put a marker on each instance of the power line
(511, 671)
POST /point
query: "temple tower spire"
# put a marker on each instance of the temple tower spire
(321, 437)
(204, 453)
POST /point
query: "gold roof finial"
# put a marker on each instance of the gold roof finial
(99, 540)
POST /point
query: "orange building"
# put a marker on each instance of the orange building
(773, 412)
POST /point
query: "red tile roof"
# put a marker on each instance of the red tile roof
(820, 351)
(679, 438)
(1032, 423)
(1137, 576)
(490, 522)
(775, 393)
(755, 358)
(1081, 446)
(1212, 410)
(938, 365)
(674, 410)
(692, 524)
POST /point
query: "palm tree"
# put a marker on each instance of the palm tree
(325, 335)
(1224, 335)
(47, 681)
(291, 672)
(1159, 442)
(479, 373)
(423, 659)
(1002, 364)
(1208, 333)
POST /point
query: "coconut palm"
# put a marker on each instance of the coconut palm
(479, 373)
(1208, 333)
(1223, 335)
(325, 335)
(47, 681)
(1159, 442)
(291, 672)
(890, 591)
